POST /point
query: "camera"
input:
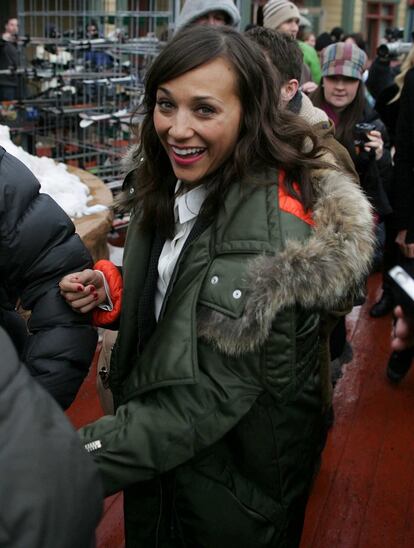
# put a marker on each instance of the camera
(393, 49)
(361, 133)
(402, 286)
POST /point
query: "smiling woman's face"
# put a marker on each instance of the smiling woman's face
(197, 119)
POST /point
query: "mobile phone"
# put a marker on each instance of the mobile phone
(402, 286)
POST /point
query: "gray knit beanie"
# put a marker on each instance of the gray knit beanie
(277, 12)
(193, 9)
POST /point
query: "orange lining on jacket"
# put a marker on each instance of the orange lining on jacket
(291, 205)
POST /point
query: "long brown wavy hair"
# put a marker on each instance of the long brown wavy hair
(269, 136)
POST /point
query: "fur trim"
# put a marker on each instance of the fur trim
(126, 201)
(318, 274)
(130, 160)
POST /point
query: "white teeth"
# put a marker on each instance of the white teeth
(187, 151)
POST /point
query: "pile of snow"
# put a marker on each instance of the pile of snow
(65, 188)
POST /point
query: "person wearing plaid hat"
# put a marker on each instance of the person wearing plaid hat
(342, 97)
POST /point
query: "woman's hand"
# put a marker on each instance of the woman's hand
(375, 143)
(403, 335)
(406, 249)
(83, 291)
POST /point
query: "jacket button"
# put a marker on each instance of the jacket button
(131, 190)
(214, 280)
(237, 294)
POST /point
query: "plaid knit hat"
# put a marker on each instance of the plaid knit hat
(343, 59)
(277, 12)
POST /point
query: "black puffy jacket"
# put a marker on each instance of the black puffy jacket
(38, 246)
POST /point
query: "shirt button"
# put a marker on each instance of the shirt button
(237, 294)
(214, 280)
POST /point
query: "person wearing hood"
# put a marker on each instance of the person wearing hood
(285, 17)
(208, 12)
(216, 369)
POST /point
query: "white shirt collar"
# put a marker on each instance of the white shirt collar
(187, 206)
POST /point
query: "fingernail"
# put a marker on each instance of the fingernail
(80, 288)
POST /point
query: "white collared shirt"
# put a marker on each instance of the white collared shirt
(186, 209)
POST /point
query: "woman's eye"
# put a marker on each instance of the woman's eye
(205, 110)
(164, 104)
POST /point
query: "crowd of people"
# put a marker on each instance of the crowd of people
(262, 193)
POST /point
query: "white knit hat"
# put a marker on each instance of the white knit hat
(193, 9)
(276, 12)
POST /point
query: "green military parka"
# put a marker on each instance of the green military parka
(218, 418)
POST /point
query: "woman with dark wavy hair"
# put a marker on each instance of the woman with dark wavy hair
(242, 239)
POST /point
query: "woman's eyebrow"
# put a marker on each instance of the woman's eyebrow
(164, 90)
(195, 98)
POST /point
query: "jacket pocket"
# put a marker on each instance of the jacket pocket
(224, 288)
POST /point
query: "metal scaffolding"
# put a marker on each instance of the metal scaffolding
(82, 76)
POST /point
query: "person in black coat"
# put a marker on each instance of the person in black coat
(51, 494)
(404, 164)
(38, 246)
(403, 204)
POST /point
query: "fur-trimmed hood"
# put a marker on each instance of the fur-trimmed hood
(320, 273)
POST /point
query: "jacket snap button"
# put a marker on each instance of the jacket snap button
(237, 294)
(214, 280)
(131, 190)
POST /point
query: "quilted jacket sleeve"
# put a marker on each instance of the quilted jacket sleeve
(156, 432)
(38, 246)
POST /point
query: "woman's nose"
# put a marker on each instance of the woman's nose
(181, 127)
